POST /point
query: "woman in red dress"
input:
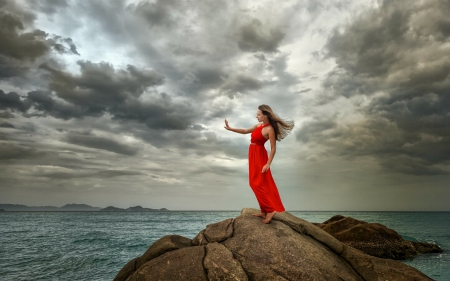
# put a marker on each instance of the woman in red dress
(273, 128)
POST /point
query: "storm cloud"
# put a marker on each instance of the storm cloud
(254, 36)
(399, 60)
(21, 44)
(128, 99)
(100, 89)
(90, 140)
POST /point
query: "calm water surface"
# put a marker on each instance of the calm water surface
(95, 245)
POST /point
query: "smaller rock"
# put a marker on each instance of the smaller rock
(127, 270)
(182, 264)
(163, 245)
(200, 239)
(375, 239)
(218, 232)
(372, 268)
(166, 244)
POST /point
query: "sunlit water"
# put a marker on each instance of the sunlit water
(96, 245)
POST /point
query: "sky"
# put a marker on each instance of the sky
(123, 103)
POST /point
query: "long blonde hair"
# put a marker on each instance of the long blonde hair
(281, 127)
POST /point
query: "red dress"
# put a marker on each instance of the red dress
(262, 184)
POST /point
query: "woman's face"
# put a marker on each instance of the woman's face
(260, 116)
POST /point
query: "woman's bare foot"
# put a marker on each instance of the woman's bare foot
(261, 215)
(269, 217)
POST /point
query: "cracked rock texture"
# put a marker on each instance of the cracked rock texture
(244, 248)
(375, 239)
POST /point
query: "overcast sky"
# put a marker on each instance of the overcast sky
(123, 102)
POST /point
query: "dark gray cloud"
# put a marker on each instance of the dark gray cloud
(180, 50)
(63, 45)
(45, 103)
(315, 130)
(91, 140)
(20, 47)
(101, 89)
(11, 68)
(396, 150)
(210, 77)
(105, 174)
(193, 141)
(15, 151)
(100, 85)
(6, 125)
(304, 91)
(254, 37)
(13, 102)
(161, 113)
(395, 56)
(159, 13)
(117, 173)
(6, 114)
(241, 84)
(12, 7)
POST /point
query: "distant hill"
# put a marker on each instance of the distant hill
(112, 209)
(132, 209)
(73, 208)
(20, 208)
(65, 208)
(78, 207)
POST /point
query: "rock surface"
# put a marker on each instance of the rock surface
(375, 239)
(244, 248)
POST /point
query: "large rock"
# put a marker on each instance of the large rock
(244, 248)
(375, 239)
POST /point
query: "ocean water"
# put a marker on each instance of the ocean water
(96, 245)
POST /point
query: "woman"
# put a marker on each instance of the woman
(260, 178)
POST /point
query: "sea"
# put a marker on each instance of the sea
(96, 245)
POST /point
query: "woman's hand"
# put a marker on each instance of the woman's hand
(226, 125)
(265, 168)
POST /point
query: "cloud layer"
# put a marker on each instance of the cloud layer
(128, 99)
(396, 62)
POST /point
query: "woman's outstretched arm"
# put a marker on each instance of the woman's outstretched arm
(240, 131)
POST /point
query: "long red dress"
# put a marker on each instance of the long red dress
(262, 184)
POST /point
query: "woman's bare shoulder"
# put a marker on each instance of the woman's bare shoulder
(269, 128)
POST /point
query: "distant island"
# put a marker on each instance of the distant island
(73, 208)
(132, 209)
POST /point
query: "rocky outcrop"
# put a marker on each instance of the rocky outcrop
(244, 248)
(375, 239)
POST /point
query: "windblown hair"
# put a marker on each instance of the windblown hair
(281, 127)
